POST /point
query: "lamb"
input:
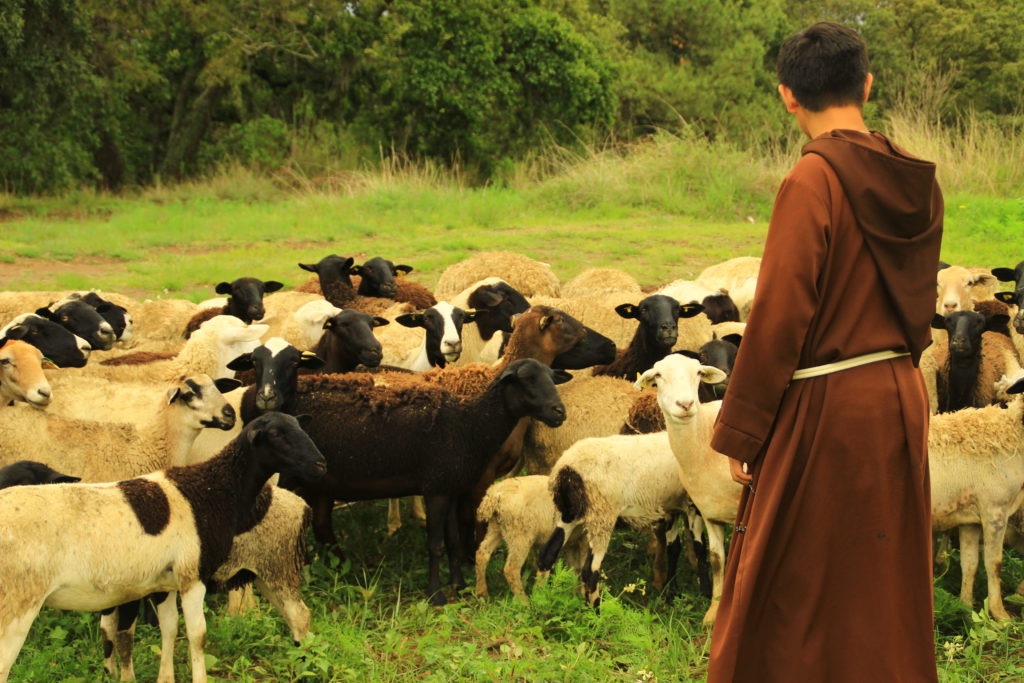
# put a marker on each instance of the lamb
(245, 302)
(972, 362)
(60, 346)
(519, 511)
(437, 445)
(704, 472)
(599, 480)
(531, 278)
(657, 332)
(594, 281)
(496, 304)
(98, 451)
(958, 288)
(208, 351)
(978, 482)
(21, 375)
(30, 473)
(174, 528)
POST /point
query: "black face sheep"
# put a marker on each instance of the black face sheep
(82, 320)
(245, 302)
(334, 280)
(30, 472)
(973, 361)
(1016, 297)
(396, 441)
(349, 342)
(58, 344)
(658, 317)
(117, 316)
(720, 308)
(167, 531)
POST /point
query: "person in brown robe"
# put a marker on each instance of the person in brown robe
(829, 570)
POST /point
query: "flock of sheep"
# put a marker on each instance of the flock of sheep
(207, 439)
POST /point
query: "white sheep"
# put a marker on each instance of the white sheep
(94, 546)
(595, 281)
(531, 278)
(598, 481)
(518, 510)
(958, 288)
(107, 451)
(21, 375)
(292, 315)
(976, 462)
(703, 471)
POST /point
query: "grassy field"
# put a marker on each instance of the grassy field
(664, 213)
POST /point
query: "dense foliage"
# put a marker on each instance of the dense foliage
(118, 93)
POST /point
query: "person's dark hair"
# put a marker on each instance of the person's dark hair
(825, 65)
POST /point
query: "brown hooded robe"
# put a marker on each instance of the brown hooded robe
(829, 569)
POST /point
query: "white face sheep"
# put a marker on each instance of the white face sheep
(704, 472)
(442, 340)
(958, 288)
(21, 375)
(173, 528)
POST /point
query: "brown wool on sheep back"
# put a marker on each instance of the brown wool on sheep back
(138, 358)
(645, 415)
(201, 317)
(409, 291)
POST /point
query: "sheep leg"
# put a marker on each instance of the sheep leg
(659, 563)
(487, 547)
(394, 515)
(716, 550)
(118, 625)
(993, 532)
(241, 600)
(108, 631)
(195, 628)
(970, 537)
(323, 528)
(675, 549)
(418, 510)
(599, 538)
(285, 596)
(167, 614)
(437, 514)
(453, 545)
(518, 551)
(13, 634)
(942, 548)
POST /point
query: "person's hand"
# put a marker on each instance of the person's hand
(738, 471)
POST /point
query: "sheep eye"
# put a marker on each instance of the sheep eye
(5, 361)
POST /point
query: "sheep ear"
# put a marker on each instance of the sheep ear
(545, 321)
(939, 321)
(172, 394)
(1004, 274)
(649, 378)
(243, 362)
(626, 311)
(310, 361)
(1006, 297)
(223, 288)
(354, 270)
(1017, 387)
(410, 320)
(304, 420)
(46, 313)
(709, 374)
(379, 322)
(311, 267)
(104, 307)
(982, 279)
(942, 265)
(488, 296)
(226, 384)
(347, 264)
(16, 332)
(734, 339)
(689, 354)
(405, 270)
(561, 377)
(997, 322)
(689, 310)
(272, 286)
(328, 324)
(469, 316)
(46, 364)
(64, 479)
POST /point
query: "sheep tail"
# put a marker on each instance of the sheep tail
(488, 507)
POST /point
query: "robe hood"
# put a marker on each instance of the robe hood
(898, 207)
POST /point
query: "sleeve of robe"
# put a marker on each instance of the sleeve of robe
(785, 302)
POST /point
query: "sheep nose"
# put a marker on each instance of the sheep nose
(685, 405)
(950, 308)
(45, 393)
(559, 410)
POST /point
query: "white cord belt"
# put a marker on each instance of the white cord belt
(856, 361)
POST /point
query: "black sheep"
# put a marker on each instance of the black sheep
(83, 320)
(1016, 297)
(965, 375)
(720, 308)
(655, 336)
(415, 439)
(245, 302)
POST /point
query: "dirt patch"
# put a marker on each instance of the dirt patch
(22, 273)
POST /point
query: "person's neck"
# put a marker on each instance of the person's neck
(833, 118)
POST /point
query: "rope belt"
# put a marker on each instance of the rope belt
(855, 362)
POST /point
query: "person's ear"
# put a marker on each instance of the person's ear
(867, 85)
(786, 93)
